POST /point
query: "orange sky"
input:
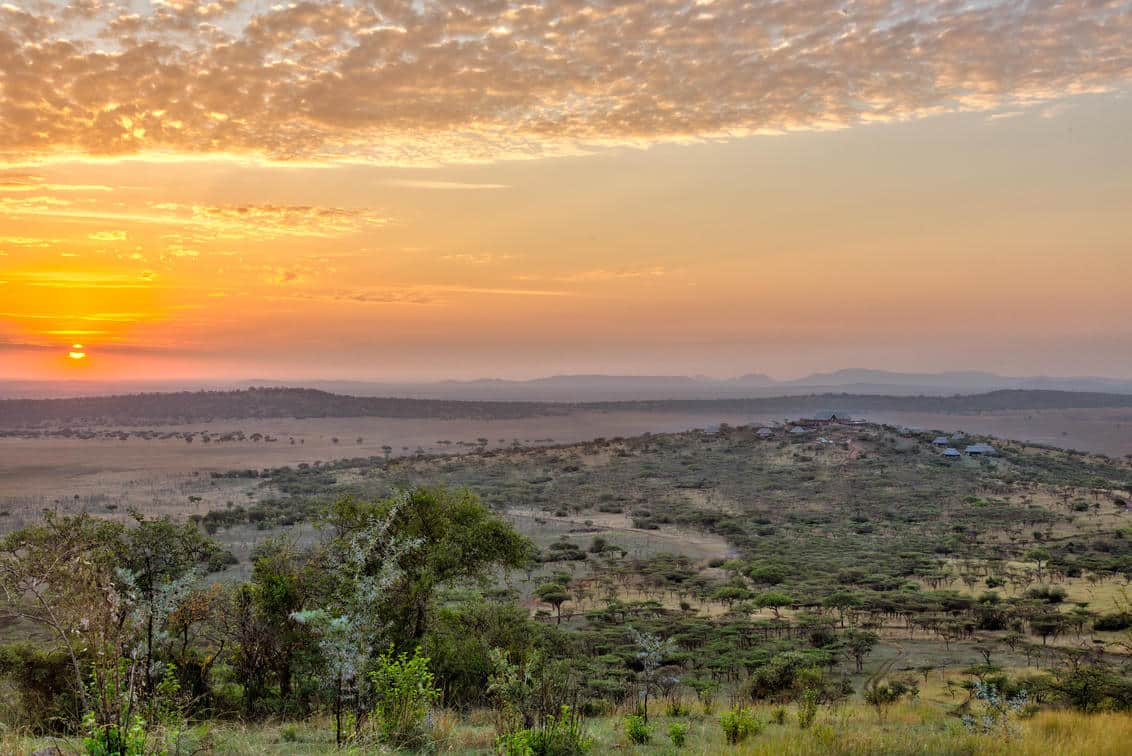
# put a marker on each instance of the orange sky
(492, 189)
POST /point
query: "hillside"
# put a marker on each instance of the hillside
(782, 578)
(205, 406)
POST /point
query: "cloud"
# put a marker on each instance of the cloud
(422, 294)
(417, 184)
(476, 259)
(619, 274)
(83, 279)
(419, 83)
(27, 241)
(107, 236)
(246, 222)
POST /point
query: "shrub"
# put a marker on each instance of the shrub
(807, 708)
(1113, 622)
(882, 694)
(1050, 594)
(778, 716)
(561, 735)
(637, 729)
(678, 733)
(42, 680)
(112, 740)
(406, 692)
(676, 707)
(739, 723)
(998, 713)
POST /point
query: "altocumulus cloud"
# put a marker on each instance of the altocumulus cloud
(415, 82)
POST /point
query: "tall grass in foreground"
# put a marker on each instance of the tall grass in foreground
(850, 729)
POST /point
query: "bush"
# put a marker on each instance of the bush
(561, 735)
(807, 708)
(637, 729)
(1113, 622)
(778, 716)
(882, 694)
(676, 707)
(739, 723)
(406, 692)
(44, 686)
(678, 733)
(1050, 594)
(998, 715)
(111, 740)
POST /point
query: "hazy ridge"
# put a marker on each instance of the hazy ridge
(600, 387)
(204, 406)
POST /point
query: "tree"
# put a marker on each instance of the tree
(106, 593)
(57, 575)
(774, 600)
(459, 540)
(1039, 557)
(161, 560)
(859, 644)
(555, 595)
(1048, 625)
(366, 565)
(842, 601)
(284, 582)
(651, 653)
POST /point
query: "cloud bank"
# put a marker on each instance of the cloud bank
(433, 81)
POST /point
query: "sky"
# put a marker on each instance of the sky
(420, 190)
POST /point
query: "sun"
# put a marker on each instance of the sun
(77, 352)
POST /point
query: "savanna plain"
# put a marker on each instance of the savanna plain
(586, 581)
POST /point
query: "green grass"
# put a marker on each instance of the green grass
(851, 728)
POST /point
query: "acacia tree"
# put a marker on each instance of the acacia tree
(554, 594)
(859, 644)
(774, 600)
(460, 540)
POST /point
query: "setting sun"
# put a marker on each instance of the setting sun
(77, 352)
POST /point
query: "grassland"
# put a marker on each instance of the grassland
(681, 533)
(851, 729)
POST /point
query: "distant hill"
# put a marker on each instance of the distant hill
(608, 388)
(205, 406)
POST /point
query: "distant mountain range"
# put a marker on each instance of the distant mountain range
(599, 388)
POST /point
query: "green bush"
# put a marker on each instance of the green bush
(112, 740)
(561, 735)
(637, 729)
(44, 687)
(678, 733)
(1113, 622)
(807, 708)
(739, 723)
(406, 692)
